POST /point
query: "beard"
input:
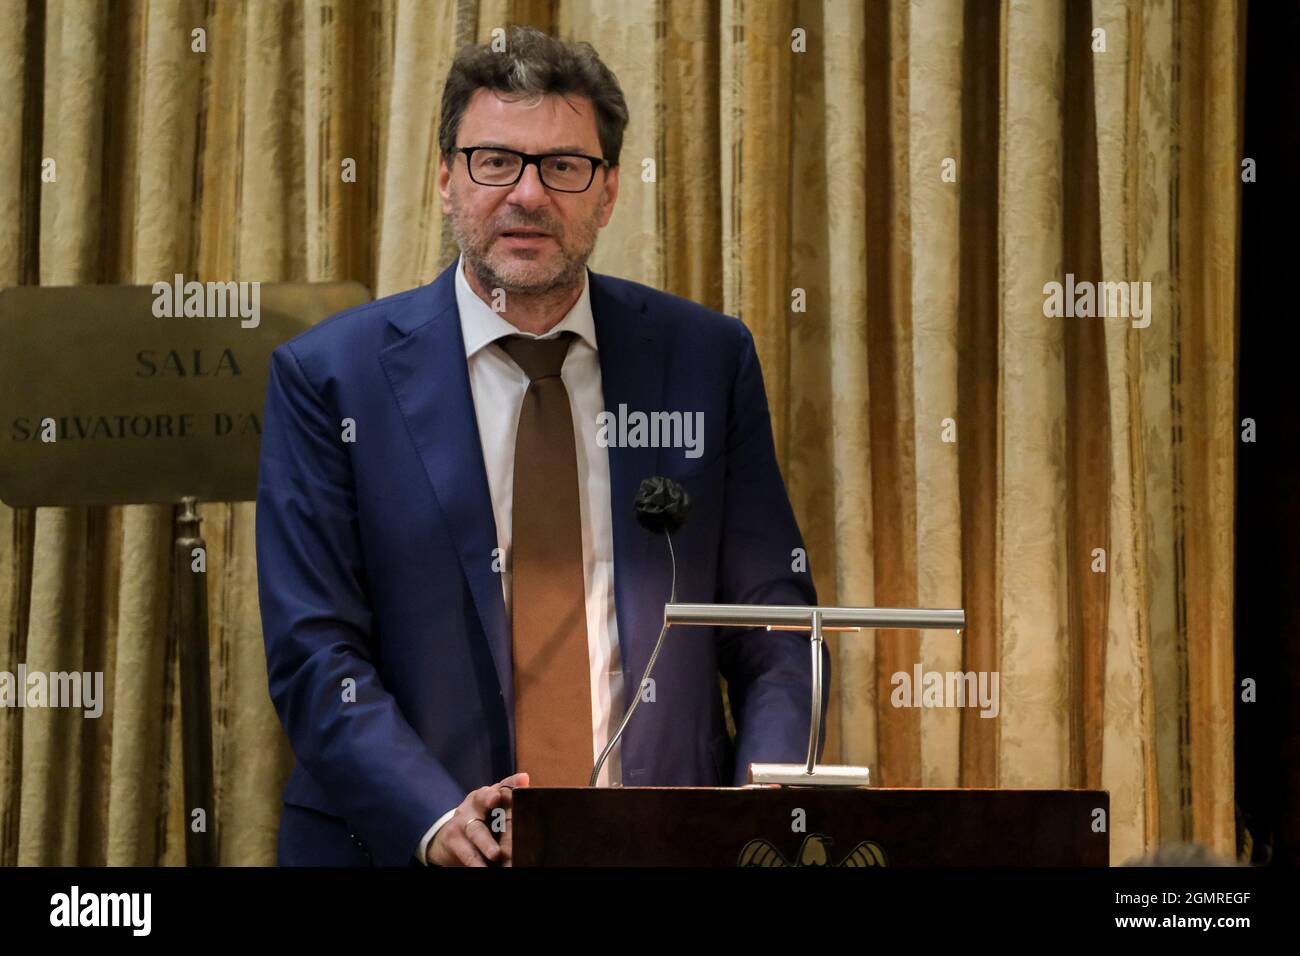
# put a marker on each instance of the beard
(538, 273)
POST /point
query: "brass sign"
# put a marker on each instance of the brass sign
(137, 394)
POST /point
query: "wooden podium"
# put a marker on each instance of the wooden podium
(852, 826)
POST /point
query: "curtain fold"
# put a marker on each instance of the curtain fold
(879, 190)
(935, 36)
(1032, 658)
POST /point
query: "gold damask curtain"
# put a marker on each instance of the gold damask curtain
(796, 179)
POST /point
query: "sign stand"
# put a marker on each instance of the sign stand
(190, 619)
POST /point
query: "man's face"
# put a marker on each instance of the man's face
(481, 214)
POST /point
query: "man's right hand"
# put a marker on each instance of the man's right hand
(467, 839)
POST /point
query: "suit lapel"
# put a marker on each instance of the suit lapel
(631, 345)
(430, 380)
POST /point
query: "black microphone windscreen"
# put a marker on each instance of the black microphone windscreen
(662, 505)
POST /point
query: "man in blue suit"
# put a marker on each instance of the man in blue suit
(457, 598)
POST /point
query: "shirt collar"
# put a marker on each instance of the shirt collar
(480, 326)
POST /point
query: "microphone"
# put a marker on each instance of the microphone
(662, 507)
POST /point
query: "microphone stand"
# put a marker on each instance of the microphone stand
(650, 666)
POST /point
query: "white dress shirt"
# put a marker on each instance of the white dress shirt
(498, 387)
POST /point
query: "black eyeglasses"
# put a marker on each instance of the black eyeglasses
(563, 172)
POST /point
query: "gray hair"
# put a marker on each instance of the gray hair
(534, 64)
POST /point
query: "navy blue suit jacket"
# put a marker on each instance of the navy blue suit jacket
(376, 580)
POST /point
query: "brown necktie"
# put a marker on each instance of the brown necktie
(552, 673)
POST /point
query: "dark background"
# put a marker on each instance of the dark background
(1268, 471)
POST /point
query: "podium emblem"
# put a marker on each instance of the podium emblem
(814, 851)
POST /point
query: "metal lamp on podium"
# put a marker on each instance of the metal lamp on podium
(818, 621)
